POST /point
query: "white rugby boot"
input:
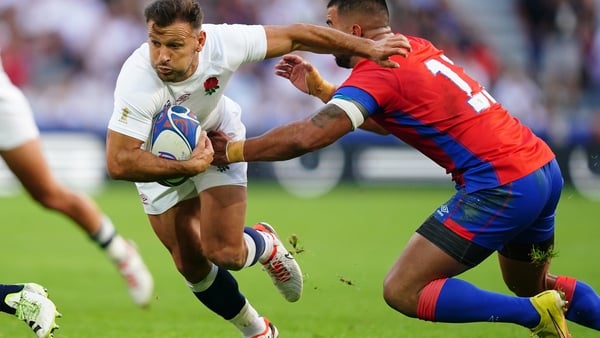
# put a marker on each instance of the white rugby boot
(33, 306)
(139, 281)
(269, 332)
(281, 266)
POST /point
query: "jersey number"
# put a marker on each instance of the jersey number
(479, 101)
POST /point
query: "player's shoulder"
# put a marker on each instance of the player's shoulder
(137, 74)
(138, 64)
(236, 29)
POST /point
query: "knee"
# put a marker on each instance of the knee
(48, 201)
(400, 298)
(52, 199)
(524, 287)
(524, 290)
(193, 268)
(227, 257)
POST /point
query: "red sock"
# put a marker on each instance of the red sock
(428, 299)
(566, 285)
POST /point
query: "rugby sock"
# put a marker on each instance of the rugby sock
(256, 242)
(456, 301)
(248, 321)
(5, 290)
(219, 292)
(110, 241)
(105, 234)
(584, 303)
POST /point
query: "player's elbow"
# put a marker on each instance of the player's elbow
(115, 170)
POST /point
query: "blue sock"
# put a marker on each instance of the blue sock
(584, 308)
(223, 296)
(259, 244)
(461, 302)
(6, 289)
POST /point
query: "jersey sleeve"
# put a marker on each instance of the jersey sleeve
(237, 44)
(135, 99)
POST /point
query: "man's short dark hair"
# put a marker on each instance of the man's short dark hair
(166, 12)
(368, 7)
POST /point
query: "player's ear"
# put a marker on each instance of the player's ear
(201, 41)
(357, 30)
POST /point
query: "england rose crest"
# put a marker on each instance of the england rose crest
(211, 85)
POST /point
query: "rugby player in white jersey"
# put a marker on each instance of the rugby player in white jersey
(201, 222)
(21, 150)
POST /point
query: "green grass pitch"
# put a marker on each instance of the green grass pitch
(348, 238)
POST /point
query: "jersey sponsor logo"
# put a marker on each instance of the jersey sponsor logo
(182, 98)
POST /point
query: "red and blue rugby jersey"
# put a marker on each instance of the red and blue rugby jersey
(432, 105)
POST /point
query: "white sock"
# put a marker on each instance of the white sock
(106, 232)
(248, 321)
(269, 246)
(206, 282)
(251, 253)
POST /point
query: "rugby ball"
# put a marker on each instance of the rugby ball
(175, 131)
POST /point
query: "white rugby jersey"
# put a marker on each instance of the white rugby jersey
(140, 93)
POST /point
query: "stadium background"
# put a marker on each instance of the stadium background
(540, 58)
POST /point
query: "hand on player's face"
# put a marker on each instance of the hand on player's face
(294, 68)
(202, 156)
(219, 141)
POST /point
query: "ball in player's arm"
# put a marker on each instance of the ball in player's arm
(507, 179)
(201, 222)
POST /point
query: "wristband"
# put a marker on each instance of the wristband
(234, 150)
(317, 86)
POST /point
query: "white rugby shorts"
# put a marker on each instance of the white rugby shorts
(17, 124)
(156, 198)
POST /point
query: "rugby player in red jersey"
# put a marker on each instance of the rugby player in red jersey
(508, 183)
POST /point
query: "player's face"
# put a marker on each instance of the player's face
(334, 21)
(174, 50)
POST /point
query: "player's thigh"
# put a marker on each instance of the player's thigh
(28, 164)
(421, 262)
(20, 141)
(435, 251)
(223, 216)
(178, 228)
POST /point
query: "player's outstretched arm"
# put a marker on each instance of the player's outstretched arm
(287, 141)
(324, 40)
(304, 76)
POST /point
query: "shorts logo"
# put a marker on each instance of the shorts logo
(223, 168)
(144, 199)
(442, 210)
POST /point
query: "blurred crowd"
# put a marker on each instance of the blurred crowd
(66, 54)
